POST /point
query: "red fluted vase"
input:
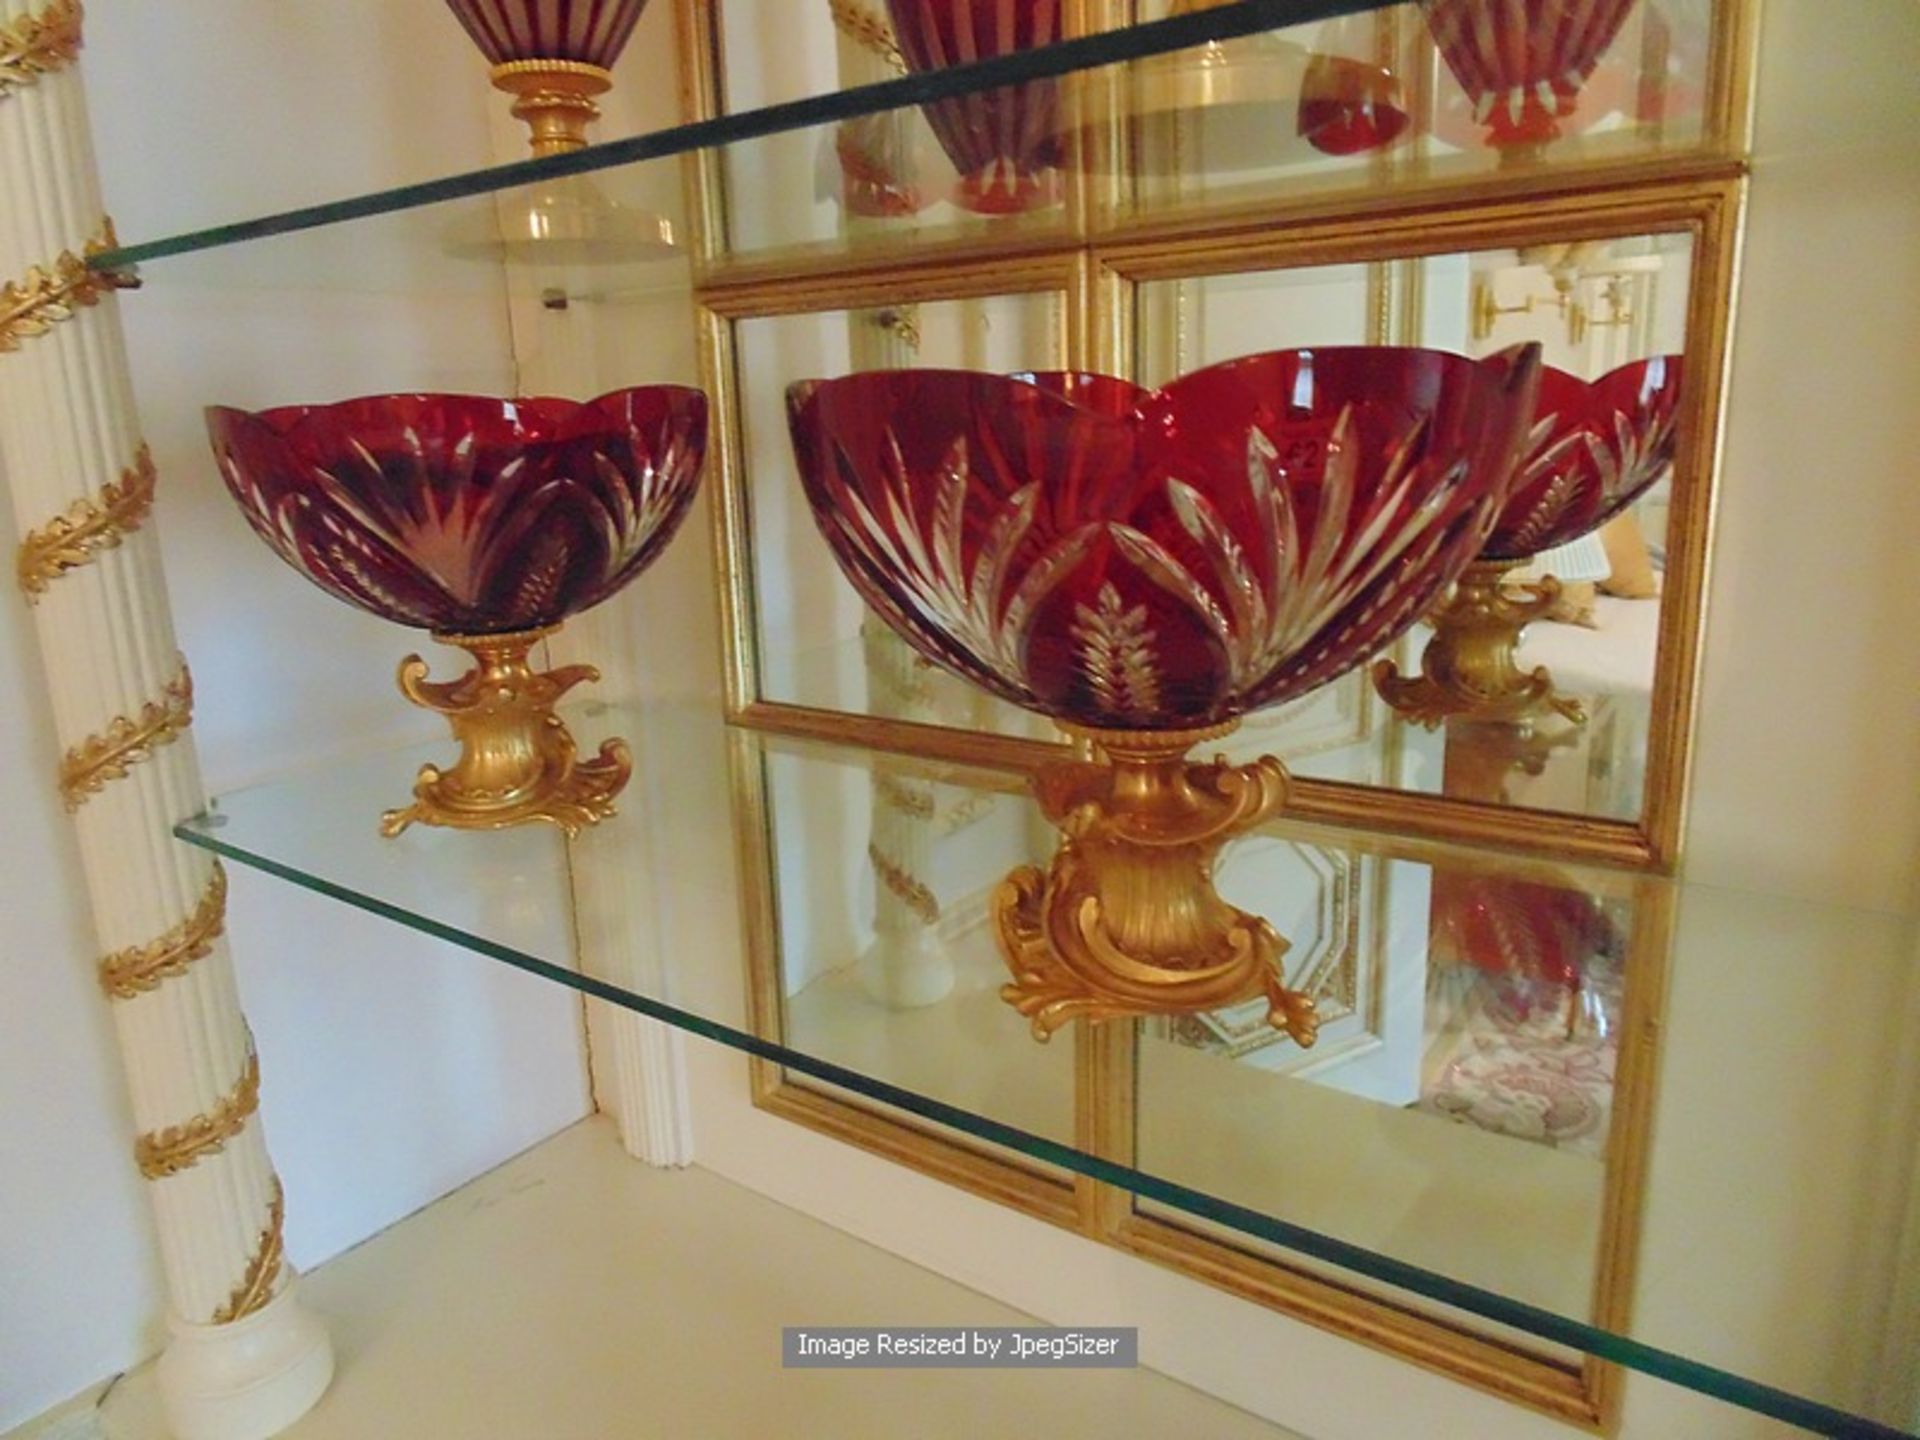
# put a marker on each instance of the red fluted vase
(591, 32)
(1523, 63)
(463, 513)
(487, 522)
(553, 57)
(1005, 143)
(1146, 566)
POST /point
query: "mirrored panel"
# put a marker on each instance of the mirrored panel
(1546, 703)
(973, 168)
(1404, 95)
(882, 873)
(1459, 1110)
(1389, 97)
(816, 643)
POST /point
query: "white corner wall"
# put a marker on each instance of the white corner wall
(395, 1068)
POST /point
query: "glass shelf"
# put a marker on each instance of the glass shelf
(1452, 1142)
(1189, 111)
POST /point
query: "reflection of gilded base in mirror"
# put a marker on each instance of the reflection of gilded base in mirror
(1468, 667)
(1126, 920)
(517, 762)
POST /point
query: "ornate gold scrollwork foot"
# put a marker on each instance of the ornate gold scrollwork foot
(517, 762)
(1126, 920)
(1468, 668)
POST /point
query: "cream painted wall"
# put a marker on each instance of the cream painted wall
(395, 1068)
(1807, 771)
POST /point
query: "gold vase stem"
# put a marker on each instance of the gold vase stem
(555, 100)
(517, 762)
(1126, 921)
(1469, 668)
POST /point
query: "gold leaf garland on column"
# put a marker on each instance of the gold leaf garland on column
(256, 1284)
(869, 31)
(88, 766)
(219, 1234)
(48, 294)
(36, 45)
(140, 968)
(905, 887)
(161, 1153)
(88, 527)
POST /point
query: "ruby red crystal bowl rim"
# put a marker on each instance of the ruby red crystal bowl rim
(286, 420)
(801, 392)
(290, 443)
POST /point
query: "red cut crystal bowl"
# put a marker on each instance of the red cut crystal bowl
(1005, 143)
(1523, 63)
(464, 514)
(1595, 448)
(1122, 558)
(593, 32)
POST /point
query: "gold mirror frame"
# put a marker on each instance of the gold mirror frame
(1096, 263)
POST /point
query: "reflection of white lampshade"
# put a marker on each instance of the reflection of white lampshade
(567, 222)
(1238, 99)
(1577, 560)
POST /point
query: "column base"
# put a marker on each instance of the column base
(247, 1380)
(906, 972)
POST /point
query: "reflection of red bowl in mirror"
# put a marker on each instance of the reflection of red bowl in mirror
(1131, 559)
(590, 32)
(464, 514)
(1524, 64)
(1596, 447)
(1348, 106)
(878, 173)
(1525, 929)
(1005, 143)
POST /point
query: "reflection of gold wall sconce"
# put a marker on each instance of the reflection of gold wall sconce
(1580, 319)
(1486, 310)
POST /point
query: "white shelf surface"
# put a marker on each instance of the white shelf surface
(575, 1294)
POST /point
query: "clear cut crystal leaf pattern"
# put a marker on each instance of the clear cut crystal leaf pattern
(965, 600)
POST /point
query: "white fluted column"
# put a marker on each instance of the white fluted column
(244, 1359)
